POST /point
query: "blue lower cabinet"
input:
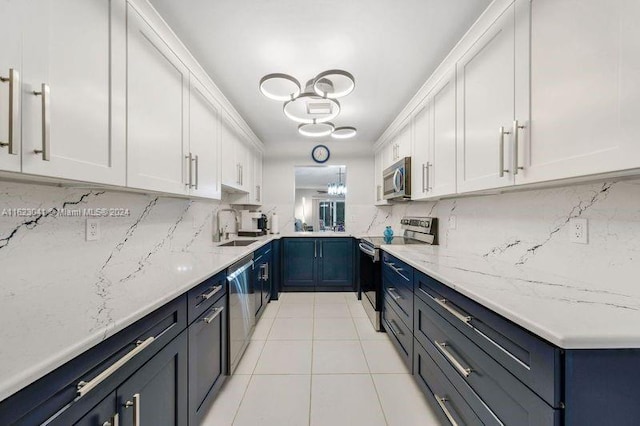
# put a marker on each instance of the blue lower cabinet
(207, 359)
(401, 335)
(299, 264)
(157, 393)
(335, 264)
(317, 264)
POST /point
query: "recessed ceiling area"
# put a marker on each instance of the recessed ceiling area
(390, 47)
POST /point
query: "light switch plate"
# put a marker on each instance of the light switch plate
(93, 230)
(578, 230)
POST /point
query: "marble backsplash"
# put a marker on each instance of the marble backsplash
(42, 239)
(526, 228)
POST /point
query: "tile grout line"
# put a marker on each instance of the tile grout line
(375, 388)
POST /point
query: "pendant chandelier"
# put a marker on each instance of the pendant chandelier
(337, 188)
(314, 108)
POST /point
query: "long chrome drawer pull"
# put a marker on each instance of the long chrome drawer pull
(197, 171)
(216, 312)
(395, 328)
(14, 110)
(393, 293)
(443, 348)
(502, 170)
(396, 270)
(445, 304)
(441, 402)
(45, 93)
(85, 387)
(214, 290)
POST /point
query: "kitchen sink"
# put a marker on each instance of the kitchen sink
(238, 243)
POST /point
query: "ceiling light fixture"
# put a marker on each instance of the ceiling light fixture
(279, 87)
(315, 130)
(316, 105)
(345, 132)
(337, 188)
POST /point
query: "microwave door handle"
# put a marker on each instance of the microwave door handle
(397, 184)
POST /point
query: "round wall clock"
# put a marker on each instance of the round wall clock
(320, 154)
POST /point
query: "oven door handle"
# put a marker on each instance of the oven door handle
(365, 249)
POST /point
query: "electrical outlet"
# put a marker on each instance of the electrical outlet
(453, 223)
(578, 231)
(93, 230)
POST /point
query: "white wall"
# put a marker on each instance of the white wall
(279, 179)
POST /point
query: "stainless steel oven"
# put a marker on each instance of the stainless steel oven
(371, 281)
(396, 180)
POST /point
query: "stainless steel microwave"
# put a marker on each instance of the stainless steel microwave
(396, 180)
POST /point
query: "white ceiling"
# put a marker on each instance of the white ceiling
(390, 47)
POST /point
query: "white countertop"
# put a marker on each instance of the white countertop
(46, 343)
(568, 313)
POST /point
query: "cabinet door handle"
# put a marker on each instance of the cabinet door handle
(320, 249)
(516, 145)
(215, 289)
(113, 421)
(136, 408)
(197, 170)
(189, 159)
(392, 292)
(502, 169)
(14, 110)
(442, 346)
(424, 185)
(396, 270)
(241, 174)
(85, 387)
(238, 173)
(315, 249)
(442, 403)
(266, 272)
(215, 312)
(45, 94)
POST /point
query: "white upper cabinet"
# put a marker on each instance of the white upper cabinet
(486, 96)
(440, 175)
(421, 159)
(10, 91)
(257, 178)
(585, 95)
(237, 160)
(73, 81)
(403, 141)
(157, 96)
(204, 143)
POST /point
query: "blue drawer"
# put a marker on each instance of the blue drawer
(204, 295)
(397, 283)
(449, 404)
(508, 398)
(533, 361)
(401, 335)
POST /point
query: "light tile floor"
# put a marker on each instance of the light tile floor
(314, 359)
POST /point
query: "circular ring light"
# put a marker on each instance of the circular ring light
(279, 87)
(315, 130)
(310, 108)
(341, 83)
(344, 132)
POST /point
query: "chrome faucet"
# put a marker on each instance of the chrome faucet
(217, 233)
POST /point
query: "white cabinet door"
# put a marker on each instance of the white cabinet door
(389, 154)
(74, 52)
(257, 177)
(585, 91)
(245, 161)
(204, 146)
(485, 92)
(11, 21)
(230, 166)
(421, 158)
(403, 141)
(441, 173)
(157, 93)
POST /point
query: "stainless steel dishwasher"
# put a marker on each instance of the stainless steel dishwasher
(241, 309)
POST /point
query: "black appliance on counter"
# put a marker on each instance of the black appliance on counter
(262, 224)
(417, 230)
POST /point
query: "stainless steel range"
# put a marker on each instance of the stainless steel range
(417, 230)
